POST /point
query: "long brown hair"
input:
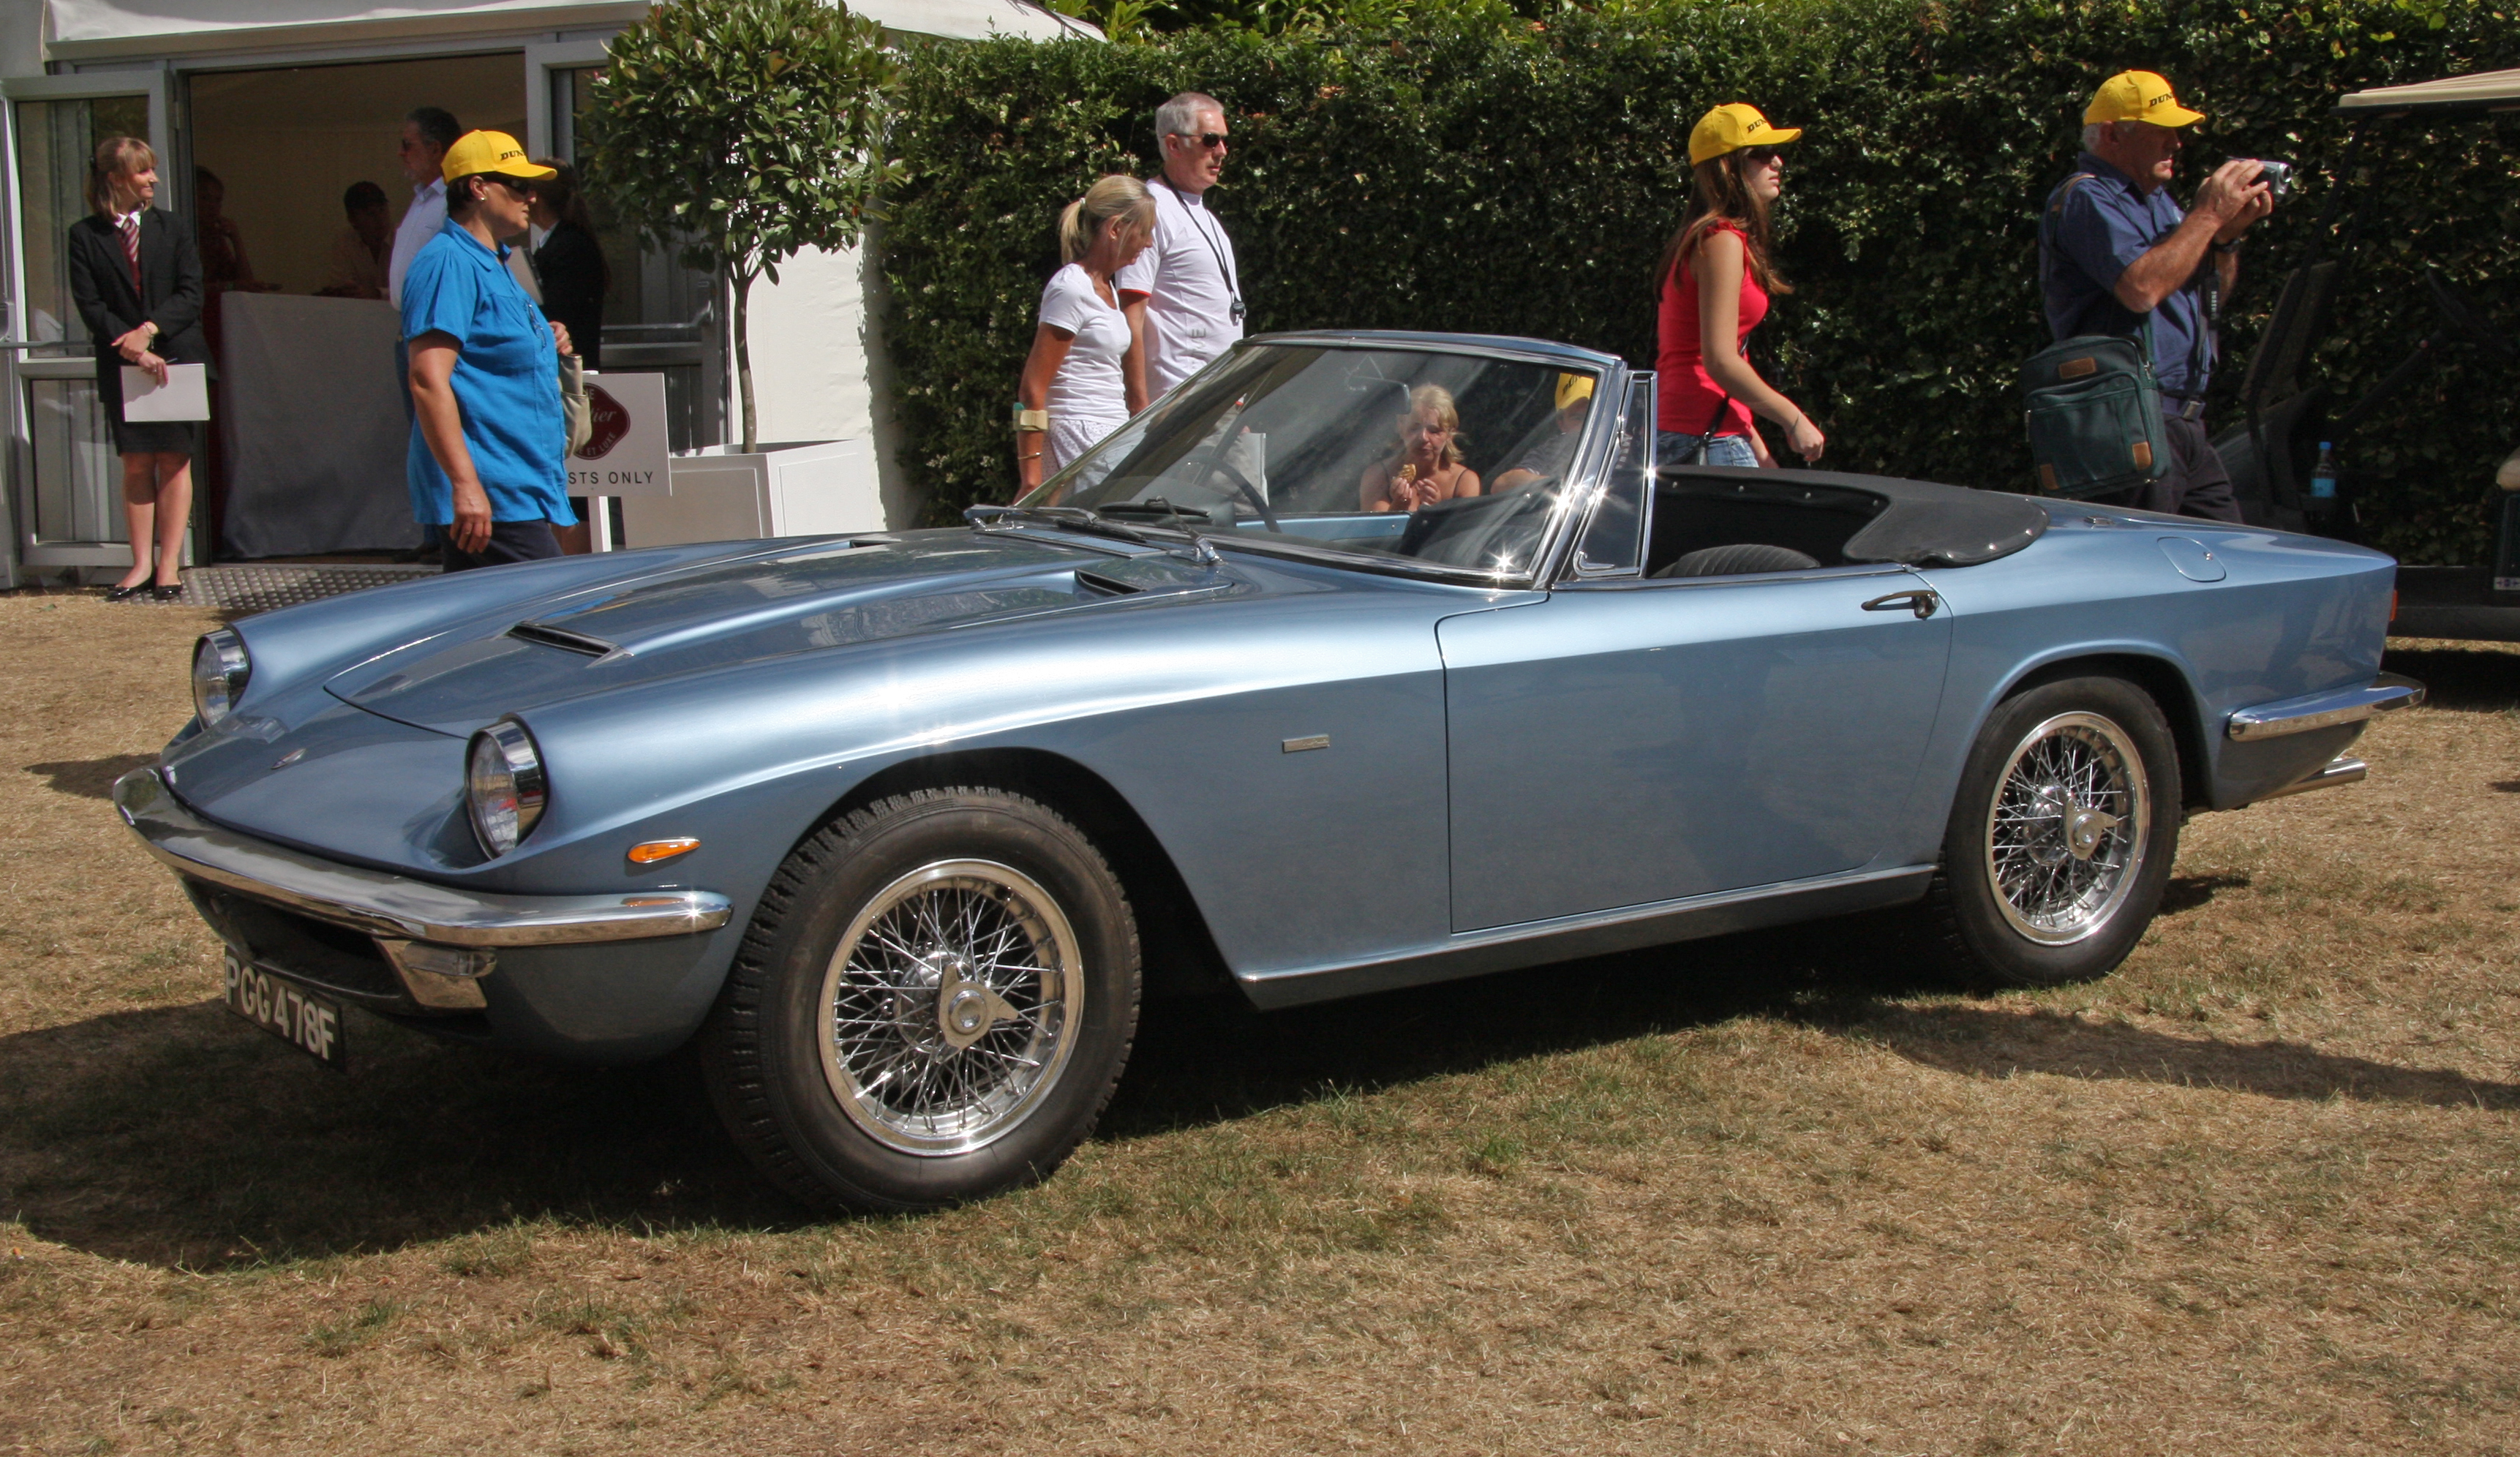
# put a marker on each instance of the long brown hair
(115, 156)
(1722, 195)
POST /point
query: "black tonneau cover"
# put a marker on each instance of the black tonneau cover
(1915, 522)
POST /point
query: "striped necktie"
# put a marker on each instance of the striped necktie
(131, 247)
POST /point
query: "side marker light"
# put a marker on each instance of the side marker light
(649, 852)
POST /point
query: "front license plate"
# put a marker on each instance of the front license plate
(309, 1023)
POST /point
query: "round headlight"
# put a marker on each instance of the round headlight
(504, 785)
(220, 668)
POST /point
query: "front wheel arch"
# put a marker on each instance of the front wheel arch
(1178, 951)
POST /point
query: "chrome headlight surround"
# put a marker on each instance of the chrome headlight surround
(220, 668)
(503, 787)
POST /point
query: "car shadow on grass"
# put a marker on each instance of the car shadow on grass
(177, 1136)
(2461, 679)
(89, 778)
(1985, 1042)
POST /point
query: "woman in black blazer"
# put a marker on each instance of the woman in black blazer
(147, 314)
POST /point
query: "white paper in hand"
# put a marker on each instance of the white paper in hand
(186, 394)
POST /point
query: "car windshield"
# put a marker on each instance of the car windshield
(1451, 459)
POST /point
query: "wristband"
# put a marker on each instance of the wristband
(1029, 421)
(2233, 247)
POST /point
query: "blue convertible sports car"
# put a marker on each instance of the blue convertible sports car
(897, 826)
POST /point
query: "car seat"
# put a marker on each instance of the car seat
(1736, 559)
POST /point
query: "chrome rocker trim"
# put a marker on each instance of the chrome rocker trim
(2385, 694)
(391, 906)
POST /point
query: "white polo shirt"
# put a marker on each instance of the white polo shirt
(420, 223)
(1189, 281)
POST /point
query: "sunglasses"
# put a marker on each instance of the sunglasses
(1205, 140)
(1760, 157)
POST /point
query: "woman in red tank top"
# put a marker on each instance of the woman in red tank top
(1713, 283)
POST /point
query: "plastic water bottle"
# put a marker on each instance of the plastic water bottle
(2323, 476)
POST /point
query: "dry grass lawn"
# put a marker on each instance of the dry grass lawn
(2256, 1192)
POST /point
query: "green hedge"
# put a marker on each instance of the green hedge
(1521, 179)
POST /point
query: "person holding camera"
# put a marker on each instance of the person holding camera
(2118, 256)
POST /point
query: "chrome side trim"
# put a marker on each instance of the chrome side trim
(391, 906)
(2384, 694)
(1598, 933)
(2337, 770)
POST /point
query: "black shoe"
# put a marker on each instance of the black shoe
(126, 593)
(168, 591)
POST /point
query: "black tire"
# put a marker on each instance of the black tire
(837, 1074)
(2036, 888)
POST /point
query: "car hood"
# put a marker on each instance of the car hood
(800, 597)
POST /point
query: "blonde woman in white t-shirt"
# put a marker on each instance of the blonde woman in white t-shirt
(1073, 393)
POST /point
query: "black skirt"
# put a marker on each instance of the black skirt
(171, 436)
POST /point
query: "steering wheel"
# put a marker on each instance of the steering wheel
(1215, 461)
(2462, 315)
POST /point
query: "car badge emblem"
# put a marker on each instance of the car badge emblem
(290, 758)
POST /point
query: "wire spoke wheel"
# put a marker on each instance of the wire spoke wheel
(949, 1007)
(2067, 828)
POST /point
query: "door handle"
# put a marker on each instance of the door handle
(1918, 601)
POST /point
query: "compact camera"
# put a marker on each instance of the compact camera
(2277, 176)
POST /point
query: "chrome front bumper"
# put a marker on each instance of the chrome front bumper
(389, 905)
(2325, 710)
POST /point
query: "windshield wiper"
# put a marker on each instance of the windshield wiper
(1066, 517)
(1079, 518)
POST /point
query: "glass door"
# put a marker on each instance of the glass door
(658, 316)
(64, 480)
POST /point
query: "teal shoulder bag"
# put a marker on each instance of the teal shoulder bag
(2093, 405)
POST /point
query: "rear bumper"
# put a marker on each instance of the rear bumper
(390, 906)
(2384, 694)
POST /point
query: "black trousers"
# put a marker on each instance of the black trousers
(2196, 485)
(510, 541)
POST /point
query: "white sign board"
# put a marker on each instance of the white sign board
(626, 455)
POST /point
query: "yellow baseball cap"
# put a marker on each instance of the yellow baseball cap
(1572, 389)
(1732, 127)
(474, 152)
(2138, 96)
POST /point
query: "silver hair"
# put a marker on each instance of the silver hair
(1179, 117)
(2092, 132)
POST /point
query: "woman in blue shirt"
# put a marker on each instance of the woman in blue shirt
(488, 438)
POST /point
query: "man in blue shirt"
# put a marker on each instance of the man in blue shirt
(2115, 253)
(488, 434)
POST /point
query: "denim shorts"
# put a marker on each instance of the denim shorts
(1672, 449)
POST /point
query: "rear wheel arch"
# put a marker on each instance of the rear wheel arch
(1176, 951)
(2167, 686)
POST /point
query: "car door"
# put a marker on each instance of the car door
(1638, 740)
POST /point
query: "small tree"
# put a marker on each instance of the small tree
(740, 133)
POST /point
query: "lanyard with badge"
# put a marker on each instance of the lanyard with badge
(1225, 270)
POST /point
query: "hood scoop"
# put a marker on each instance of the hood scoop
(564, 639)
(1096, 584)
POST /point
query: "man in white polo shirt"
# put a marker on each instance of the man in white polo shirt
(1183, 298)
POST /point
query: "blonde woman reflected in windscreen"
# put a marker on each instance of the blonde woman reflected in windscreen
(1713, 286)
(136, 278)
(1072, 392)
(1425, 468)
